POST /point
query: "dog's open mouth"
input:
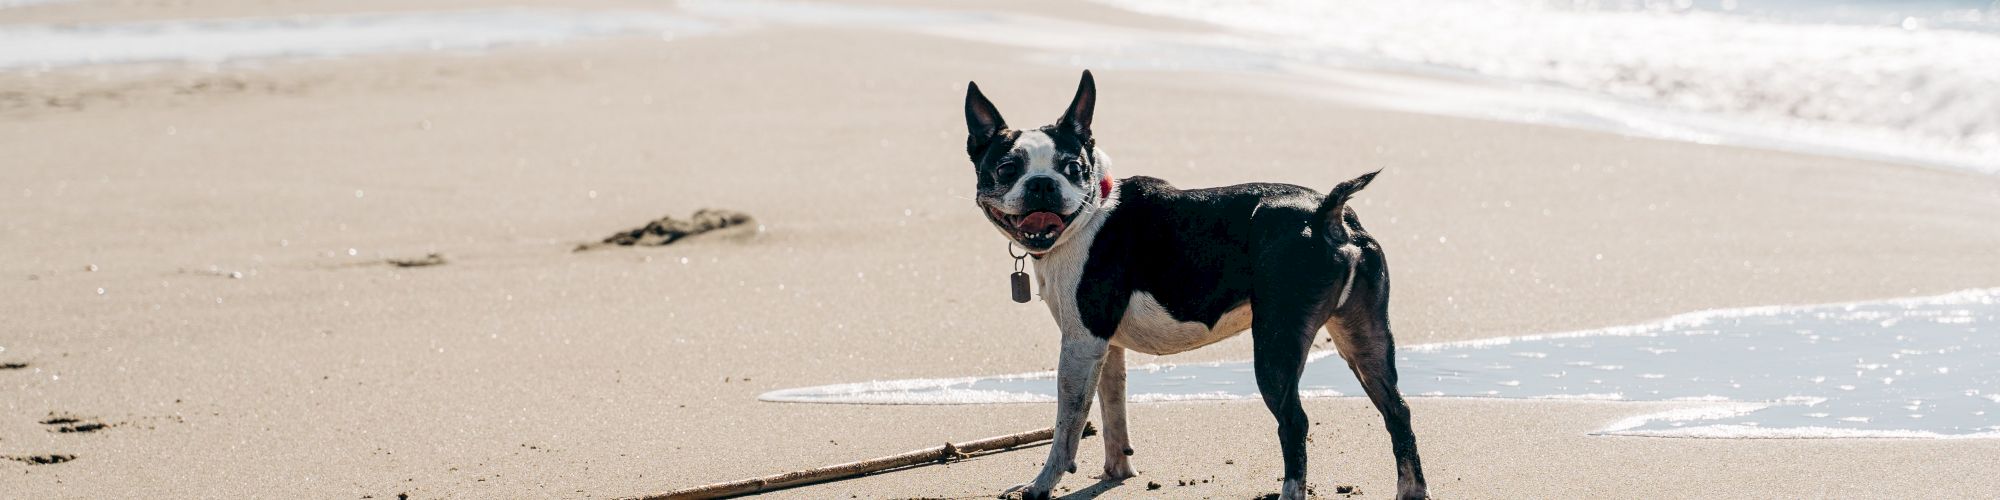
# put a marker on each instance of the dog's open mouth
(1037, 230)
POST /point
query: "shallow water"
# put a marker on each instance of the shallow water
(1910, 368)
(1873, 80)
(1965, 15)
(1888, 80)
(24, 3)
(221, 40)
(1896, 81)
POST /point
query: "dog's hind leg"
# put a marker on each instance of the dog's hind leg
(1364, 341)
(1111, 393)
(1280, 339)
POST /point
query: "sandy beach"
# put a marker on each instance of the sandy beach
(195, 256)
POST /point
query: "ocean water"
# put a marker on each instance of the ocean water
(1900, 81)
(1968, 15)
(1909, 81)
(49, 46)
(1909, 368)
(24, 3)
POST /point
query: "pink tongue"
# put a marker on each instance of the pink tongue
(1039, 222)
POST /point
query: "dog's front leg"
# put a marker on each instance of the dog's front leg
(1076, 379)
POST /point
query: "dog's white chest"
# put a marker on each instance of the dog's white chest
(1148, 328)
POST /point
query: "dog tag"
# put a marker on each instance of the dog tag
(1020, 280)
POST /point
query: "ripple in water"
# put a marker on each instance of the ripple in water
(1909, 368)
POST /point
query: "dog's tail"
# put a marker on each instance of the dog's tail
(1328, 217)
(1330, 220)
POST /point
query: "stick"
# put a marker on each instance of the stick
(940, 454)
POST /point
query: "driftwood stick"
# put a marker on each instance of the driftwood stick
(939, 454)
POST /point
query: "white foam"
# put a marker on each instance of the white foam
(1869, 90)
(24, 3)
(1737, 390)
(1193, 396)
(1872, 92)
(1612, 396)
(221, 40)
(1731, 431)
(1685, 415)
(1707, 399)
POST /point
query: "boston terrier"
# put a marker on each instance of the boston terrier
(1139, 264)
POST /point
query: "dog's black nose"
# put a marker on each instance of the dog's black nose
(1040, 185)
(1041, 193)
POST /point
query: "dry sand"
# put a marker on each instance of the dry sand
(521, 369)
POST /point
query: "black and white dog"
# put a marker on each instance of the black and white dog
(1138, 264)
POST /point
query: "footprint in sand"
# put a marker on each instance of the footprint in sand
(61, 424)
(73, 425)
(41, 459)
(668, 230)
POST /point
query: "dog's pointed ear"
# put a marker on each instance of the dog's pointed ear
(982, 120)
(1076, 119)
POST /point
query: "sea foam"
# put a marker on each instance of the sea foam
(48, 46)
(1923, 367)
(1900, 91)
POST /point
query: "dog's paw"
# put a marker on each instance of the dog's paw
(1417, 493)
(1118, 468)
(1294, 489)
(1025, 491)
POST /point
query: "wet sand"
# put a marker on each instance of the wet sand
(250, 342)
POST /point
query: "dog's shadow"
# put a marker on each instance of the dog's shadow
(1103, 485)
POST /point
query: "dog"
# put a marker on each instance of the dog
(1139, 264)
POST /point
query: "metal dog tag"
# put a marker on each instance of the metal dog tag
(1020, 277)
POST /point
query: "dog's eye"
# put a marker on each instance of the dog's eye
(1006, 170)
(1073, 168)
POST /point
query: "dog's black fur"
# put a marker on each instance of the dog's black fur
(1297, 259)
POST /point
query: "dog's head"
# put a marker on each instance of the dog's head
(1033, 184)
